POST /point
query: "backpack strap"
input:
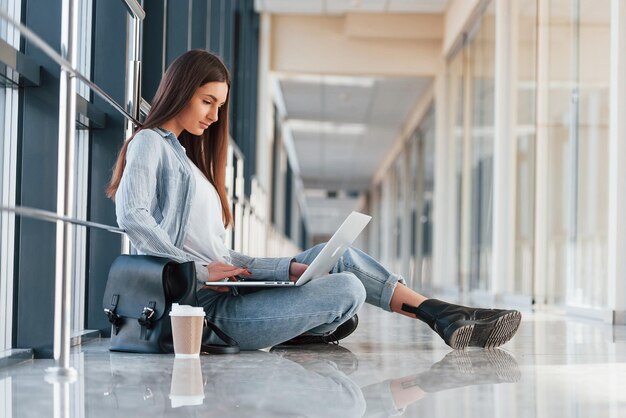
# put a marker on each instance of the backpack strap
(147, 320)
(114, 318)
(231, 346)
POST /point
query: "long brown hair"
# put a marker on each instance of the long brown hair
(208, 151)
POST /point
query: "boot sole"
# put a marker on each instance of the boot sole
(502, 364)
(485, 333)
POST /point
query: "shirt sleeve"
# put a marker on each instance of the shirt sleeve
(136, 194)
(263, 268)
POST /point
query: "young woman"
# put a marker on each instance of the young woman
(169, 189)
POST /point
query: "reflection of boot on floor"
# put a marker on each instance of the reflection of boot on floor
(455, 370)
(345, 360)
(465, 368)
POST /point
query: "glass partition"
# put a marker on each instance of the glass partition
(411, 151)
(470, 127)
(481, 97)
(591, 258)
(8, 159)
(400, 227)
(425, 139)
(579, 45)
(81, 173)
(456, 139)
(525, 137)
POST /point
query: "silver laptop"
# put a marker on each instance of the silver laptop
(325, 260)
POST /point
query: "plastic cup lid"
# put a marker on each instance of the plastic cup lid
(186, 310)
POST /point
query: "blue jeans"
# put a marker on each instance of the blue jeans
(263, 317)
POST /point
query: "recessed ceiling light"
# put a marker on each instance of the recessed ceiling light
(331, 80)
(315, 192)
(315, 126)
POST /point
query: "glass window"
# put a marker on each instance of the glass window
(413, 193)
(8, 160)
(387, 214)
(525, 136)
(456, 139)
(579, 45)
(425, 156)
(471, 85)
(81, 172)
(399, 228)
(481, 96)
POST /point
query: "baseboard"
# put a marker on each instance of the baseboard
(15, 356)
(619, 317)
(84, 336)
(601, 314)
(482, 298)
(515, 300)
(448, 294)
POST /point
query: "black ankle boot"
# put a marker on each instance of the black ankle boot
(461, 326)
(340, 333)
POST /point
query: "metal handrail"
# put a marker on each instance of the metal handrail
(66, 65)
(46, 215)
(135, 8)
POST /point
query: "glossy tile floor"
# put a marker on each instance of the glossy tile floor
(556, 366)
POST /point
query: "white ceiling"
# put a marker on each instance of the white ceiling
(344, 6)
(325, 214)
(340, 128)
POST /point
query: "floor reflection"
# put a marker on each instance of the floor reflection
(391, 397)
(388, 367)
(312, 382)
(285, 382)
(248, 384)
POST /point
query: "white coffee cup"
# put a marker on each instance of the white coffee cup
(187, 324)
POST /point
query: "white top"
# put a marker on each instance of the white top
(206, 233)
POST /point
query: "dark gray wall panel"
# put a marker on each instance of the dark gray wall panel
(34, 310)
(199, 24)
(215, 18)
(152, 54)
(177, 29)
(245, 53)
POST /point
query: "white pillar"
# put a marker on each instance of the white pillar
(503, 244)
(617, 167)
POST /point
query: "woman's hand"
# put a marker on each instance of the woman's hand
(296, 270)
(220, 271)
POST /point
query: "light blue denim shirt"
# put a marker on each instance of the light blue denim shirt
(153, 202)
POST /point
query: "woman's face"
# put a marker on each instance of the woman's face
(202, 109)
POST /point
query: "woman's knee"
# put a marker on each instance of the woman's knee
(355, 256)
(351, 287)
